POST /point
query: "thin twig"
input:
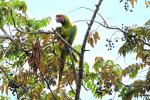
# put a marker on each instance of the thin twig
(80, 74)
(48, 86)
(84, 87)
(72, 89)
(108, 27)
(143, 70)
(90, 10)
(11, 13)
(123, 84)
(5, 73)
(117, 58)
(144, 42)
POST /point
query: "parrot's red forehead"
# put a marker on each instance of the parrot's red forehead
(59, 15)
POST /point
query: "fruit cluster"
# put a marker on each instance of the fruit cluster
(105, 88)
(126, 5)
(13, 86)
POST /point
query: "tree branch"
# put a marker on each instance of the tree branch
(106, 26)
(11, 12)
(5, 37)
(72, 89)
(4, 31)
(90, 10)
(80, 74)
(122, 83)
(48, 86)
(144, 42)
(3, 71)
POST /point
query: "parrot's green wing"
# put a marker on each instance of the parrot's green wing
(72, 34)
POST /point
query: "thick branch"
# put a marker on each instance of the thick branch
(4, 31)
(5, 37)
(80, 74)
(42, 32)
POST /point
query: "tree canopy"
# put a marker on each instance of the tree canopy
(30, 58)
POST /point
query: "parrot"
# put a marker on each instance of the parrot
(68, 32)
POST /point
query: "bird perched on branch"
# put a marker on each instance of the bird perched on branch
(68, 32)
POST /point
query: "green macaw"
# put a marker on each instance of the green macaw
(68, 32)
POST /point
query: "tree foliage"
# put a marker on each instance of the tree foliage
(30, 59)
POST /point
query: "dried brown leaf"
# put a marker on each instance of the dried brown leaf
(2, 88)
(133, 2)
(6, 87)
(91, 42)
(96, 37)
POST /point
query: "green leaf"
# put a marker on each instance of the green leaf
(86, 66)
(71, 93)
(88, 84)
(31, 81)
(2, 98)
(48, 97)
(96, 67)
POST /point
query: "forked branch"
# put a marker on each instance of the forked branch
(80, 74)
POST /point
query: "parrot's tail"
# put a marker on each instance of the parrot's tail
(61, 69)
(74, 57)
